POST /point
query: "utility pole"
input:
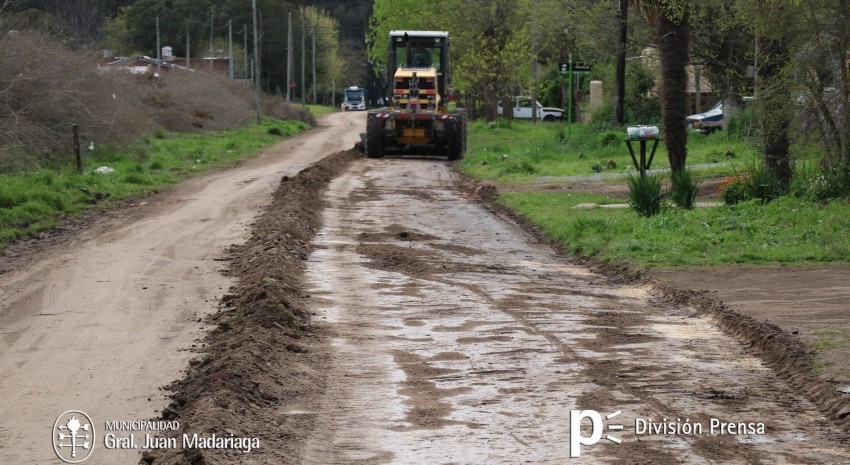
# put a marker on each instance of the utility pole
(697, 89)
(158, 52)
(756, 66)
(333, 92)
(289, 60)
(534, 63)
(570, 104)
(230, 48)
(314, 59)
(245, 49)
(211, 39)
(256, 63)
(620, 78)
(303, 58)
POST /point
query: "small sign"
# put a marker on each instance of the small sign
(577, 68)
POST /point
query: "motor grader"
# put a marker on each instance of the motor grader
(417, 119)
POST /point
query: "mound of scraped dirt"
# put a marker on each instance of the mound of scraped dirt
(785, 353)
(262, 360)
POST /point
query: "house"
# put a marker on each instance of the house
(145, 65)
(707, 93)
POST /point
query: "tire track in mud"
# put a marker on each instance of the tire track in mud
(434, 302)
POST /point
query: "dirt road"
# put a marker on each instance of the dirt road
(100, 324)
(456, 338)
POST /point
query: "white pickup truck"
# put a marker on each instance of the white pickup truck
(522, 110)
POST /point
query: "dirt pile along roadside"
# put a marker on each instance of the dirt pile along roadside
(785, 353)
(260, 358)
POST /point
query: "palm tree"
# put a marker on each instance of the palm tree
(670, 18)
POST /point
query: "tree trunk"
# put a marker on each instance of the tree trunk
(673, 38)
(774, 99)
(620, 75)
(844, 133)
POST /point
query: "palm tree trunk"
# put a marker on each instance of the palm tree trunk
(673, 38)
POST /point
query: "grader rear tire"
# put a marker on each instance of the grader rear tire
(374, 138)
(455, 139)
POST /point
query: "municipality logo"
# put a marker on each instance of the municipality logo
(597, 429)
(73, 436)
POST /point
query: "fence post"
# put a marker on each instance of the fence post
(76, 129)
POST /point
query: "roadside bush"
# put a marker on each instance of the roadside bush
(45, 89)
(820, 184)
(683, 189)
(517, 167)
(758, 184)
(762, 184)
(276, 107)
(602, 119)
(645, 193)
(606, 138)
(742, 123)
(731, 190)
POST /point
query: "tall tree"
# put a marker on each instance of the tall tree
(774, 95)
(821, 61)
(776, 26)
(622, 42)
(670, 18)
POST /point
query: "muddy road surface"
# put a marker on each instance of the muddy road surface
(456, 338)
(101, 323)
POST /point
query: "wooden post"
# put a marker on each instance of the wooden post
(76, 129)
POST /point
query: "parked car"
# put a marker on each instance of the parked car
(712, 119)
(707, 121)
(522, 110)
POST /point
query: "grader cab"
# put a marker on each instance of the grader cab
(418, 118)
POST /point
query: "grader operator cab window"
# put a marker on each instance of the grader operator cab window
(422, 55)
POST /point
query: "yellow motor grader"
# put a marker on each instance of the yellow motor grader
(418, 117)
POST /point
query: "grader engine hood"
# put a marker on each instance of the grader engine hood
(415, 91)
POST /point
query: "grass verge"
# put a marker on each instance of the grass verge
(321, 110)
(784, 231)
(521, 151)
(787, 230)
(33, 201)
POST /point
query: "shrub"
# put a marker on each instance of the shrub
(645, 193)
(517, 167)
(276, 107)
(742, 123)
(683, 189)
(820, 184)
(762, 184)
(606, 138)
(731, 190)
(42, 96)
(759, 184)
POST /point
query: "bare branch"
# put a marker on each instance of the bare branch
(7, 3)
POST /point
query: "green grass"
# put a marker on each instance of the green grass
(786, 230)
(321, 110)
(783, 231)
(32, 202)
(832, 338)
(522, 151)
